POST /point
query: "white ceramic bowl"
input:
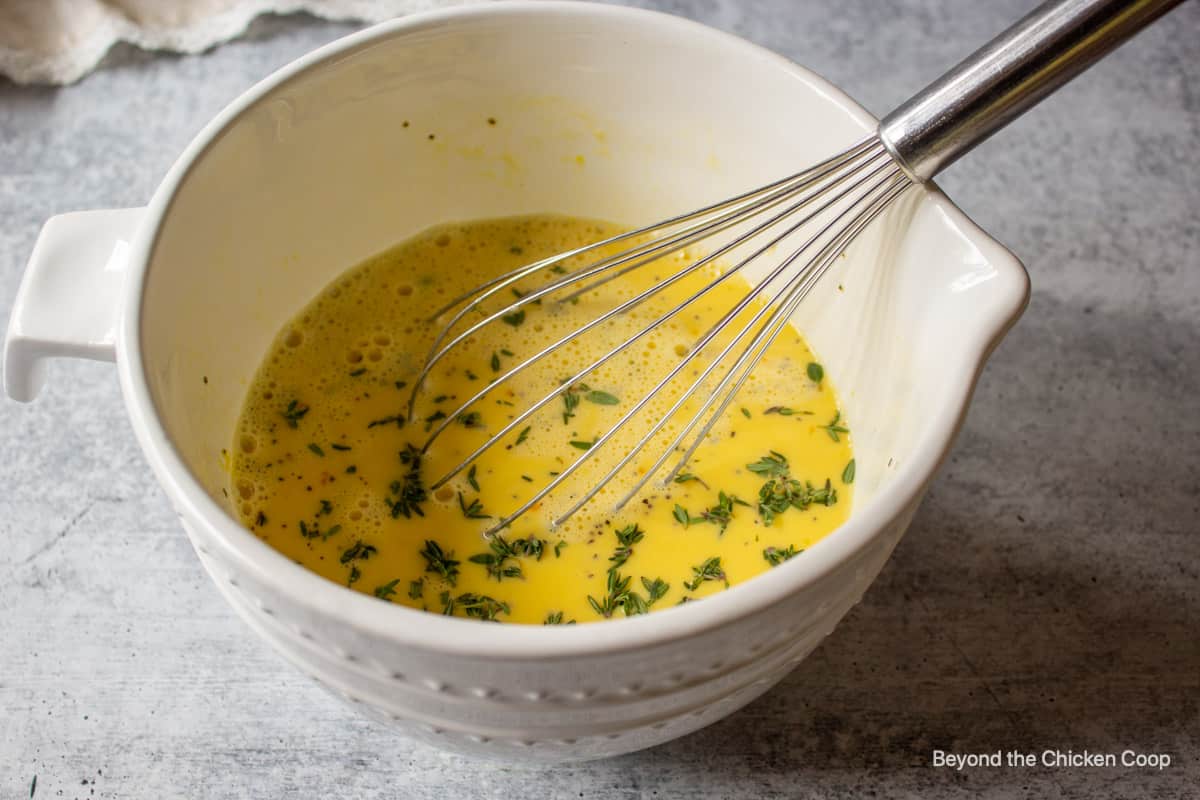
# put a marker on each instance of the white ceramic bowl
(315, 168)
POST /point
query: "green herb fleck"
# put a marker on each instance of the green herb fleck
(388, 589)
(556, 618)
(396, 418)
(655, 589)
(358, 551)
(473, 510)
(495, 362)
(358, 372)
(503, 552)
(439, 562)
(776, 556)
(684, 477)
(784, 411)
(710, 570)
(848, 473)
(477, 606)
(340, 447)
(601, 398)
(745, 412)
(833, 428)
(471, 478)
(515, 318)
(470, 419)
(407, 494)
(581, 445)
(416, 589)
(772, 465)
(316, 449)
(523, 435)
(294, 413)
(815, 372)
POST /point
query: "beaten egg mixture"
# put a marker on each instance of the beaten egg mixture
(329, 468)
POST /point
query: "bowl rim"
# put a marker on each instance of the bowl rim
(436, 633)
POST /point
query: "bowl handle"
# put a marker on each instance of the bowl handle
(69, 301)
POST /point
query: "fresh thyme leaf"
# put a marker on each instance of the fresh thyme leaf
(570, 403)
(480, 606)
(634, 604)
(558, 548)
(401, 384)
(471, 376)
(515, 318)
(776, 556)
(432, 418)
(350, 470)
(601, 398)
(627, 537)
(473, 510)
(833, 428)
(504, 351)
(388, 589)
(316, 449)
(406, 495)
(340, 447)
(261, 519)
(848, 473)
(357, 551)
(416, 589)
(326, 508)
(471, 478)
(295, 412)
(556, 618)
(684, 477)
(396, 418)
(331, 532)
(745, 412)
(441, 398)
(527, 479)
(439, 562)
(558, 269)
(523, 435)
(495, 362)
(618, 592)
(774, 464)
(721, 513)
(815, 372)
(655, 590)
(354, 575)
(470, 419)
(682, 515)
(784, 411)
(358, 372)
(779, 494)
(503, 552)
(710, 570)
(581, 445)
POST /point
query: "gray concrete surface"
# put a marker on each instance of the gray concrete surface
(1047, 596)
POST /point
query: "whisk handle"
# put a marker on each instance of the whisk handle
(1007, 76)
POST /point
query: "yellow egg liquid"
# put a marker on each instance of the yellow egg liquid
(329, 471)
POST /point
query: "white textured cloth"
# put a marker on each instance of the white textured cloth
(60, 41)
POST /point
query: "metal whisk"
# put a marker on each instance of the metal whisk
(824, 207)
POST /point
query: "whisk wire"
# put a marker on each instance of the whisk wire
(641, 254)
(742, 304)
(779, 314)
(626, 306)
